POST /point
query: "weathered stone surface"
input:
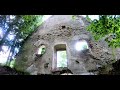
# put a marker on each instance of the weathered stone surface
(32, 70)
(62, 29)
(5, 70)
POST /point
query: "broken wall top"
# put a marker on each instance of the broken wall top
(56, 21)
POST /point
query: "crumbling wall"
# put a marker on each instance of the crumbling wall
(62, 29)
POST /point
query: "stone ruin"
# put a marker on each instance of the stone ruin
(61, 32)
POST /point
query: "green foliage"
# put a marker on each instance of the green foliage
(88, 19)
(20, 66)
(30, 23)
(12, 63)
(42, 50)
(21, 27)
(107, 26)
(74, 17)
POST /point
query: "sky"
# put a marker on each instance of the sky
(46, 17)
(91, 16)
(3, 55)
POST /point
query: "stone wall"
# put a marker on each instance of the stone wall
(62, 29)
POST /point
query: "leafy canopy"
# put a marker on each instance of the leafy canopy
(108, 27)
(15, 29)
(30, 23)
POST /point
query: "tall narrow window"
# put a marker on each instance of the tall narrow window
(61, 58)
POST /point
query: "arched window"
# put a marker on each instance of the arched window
(81, 45)
(41, 50)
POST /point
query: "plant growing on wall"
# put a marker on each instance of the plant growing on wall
(73, 17)
(107, 27)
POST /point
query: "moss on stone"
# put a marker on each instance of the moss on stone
(20, 66)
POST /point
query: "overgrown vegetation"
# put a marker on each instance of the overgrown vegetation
(106, 27)
(15, 29)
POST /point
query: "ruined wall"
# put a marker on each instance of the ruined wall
(62, 29)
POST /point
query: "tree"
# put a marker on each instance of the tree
(19, 27)
(107, 27)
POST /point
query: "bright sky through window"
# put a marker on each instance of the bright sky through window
(92, 17)
(81, 45)
(61, 59)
